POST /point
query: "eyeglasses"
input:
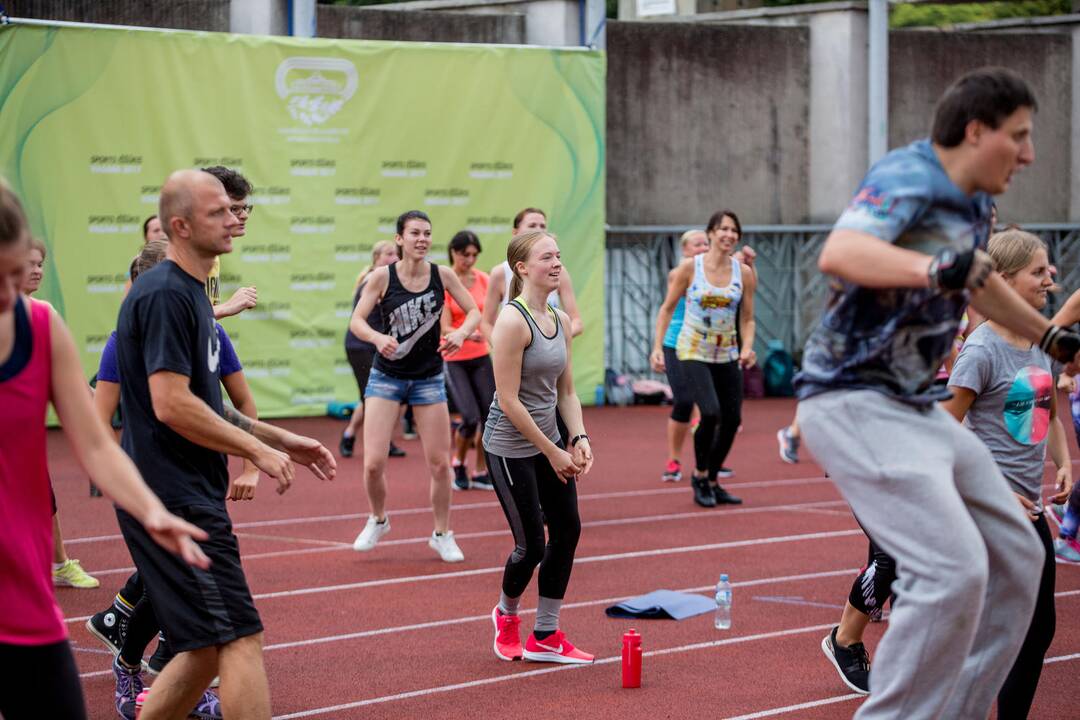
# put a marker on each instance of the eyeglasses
(237, 209)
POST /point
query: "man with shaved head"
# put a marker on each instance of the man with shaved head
(178, 432)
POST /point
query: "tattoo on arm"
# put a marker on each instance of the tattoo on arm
(239, 419)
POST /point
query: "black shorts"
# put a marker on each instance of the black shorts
(196, 608)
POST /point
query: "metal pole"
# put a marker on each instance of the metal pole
(878, 73)
(302, 18)
(594, 23)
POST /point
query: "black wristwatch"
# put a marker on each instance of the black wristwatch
(574, 440)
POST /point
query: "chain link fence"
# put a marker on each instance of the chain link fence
(791, 290)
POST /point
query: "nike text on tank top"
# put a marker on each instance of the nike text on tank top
(508, 274)
(710, 325)
(542, 362)
(412, 318)
(31, 615)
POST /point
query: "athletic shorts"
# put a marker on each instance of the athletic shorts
(425, 391)
(196, 608)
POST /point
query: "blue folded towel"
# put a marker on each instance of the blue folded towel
(662, 605)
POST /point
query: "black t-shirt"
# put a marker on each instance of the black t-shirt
(167, 323)
(413, 319)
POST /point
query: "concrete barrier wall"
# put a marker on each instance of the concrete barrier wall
(211, 15)
(340, 21)
(701, 117)
(921, 66)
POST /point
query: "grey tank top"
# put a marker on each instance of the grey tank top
(542, 362)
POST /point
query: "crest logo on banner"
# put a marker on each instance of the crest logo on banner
(314, 88)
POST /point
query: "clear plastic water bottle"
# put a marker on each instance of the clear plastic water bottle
(723, 603)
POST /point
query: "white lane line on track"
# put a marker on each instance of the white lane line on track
(851, 696)
(480, 505)
(333, 546)
(800, 706)
(546, 671)
(577, 561)
(487, 617)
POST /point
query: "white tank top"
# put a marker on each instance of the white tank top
(709, 325)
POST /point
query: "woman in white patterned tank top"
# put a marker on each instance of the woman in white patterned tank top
(716, 342)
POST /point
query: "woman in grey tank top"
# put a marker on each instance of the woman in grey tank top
(533, 473)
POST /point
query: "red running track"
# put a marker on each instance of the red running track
(398, 634)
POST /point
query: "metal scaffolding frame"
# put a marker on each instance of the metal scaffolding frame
(791, 290)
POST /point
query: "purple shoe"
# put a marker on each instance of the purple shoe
(209, 707)
(129, 684)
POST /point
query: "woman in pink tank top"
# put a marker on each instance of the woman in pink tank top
(38, 365)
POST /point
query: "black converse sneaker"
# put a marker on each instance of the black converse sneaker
(852, 662)
(110, 627)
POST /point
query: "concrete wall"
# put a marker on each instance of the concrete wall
(339, 21)
(212, 15)
(701, 117)
(554, 23)
(921, 66)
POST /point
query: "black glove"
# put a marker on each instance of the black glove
(950, 270)
(1060, 344)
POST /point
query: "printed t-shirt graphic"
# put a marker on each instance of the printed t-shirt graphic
(1027, 406)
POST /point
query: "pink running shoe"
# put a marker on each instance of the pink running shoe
(555, 648)
(672, 471)
(507, 635)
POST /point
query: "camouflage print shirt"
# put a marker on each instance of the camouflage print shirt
(893, 341)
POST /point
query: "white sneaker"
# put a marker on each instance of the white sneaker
(371, 534)
(446, 546)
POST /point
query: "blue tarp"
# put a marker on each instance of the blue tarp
(662, 605)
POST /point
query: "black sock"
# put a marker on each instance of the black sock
(543, 634)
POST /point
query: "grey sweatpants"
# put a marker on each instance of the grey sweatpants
(968, 561)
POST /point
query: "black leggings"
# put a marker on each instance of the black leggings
(717, 389)
(472, 385)
(142, 624)
(873, 587)
(40, 681)
(682, 397)
(1014, 699)
(530, 492)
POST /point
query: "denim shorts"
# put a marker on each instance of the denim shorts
(425, 391)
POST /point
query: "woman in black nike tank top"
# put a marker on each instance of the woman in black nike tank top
(409, 369)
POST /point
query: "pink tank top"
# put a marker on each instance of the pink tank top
(31, 615)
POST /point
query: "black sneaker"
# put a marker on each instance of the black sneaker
(482, 482)
(852, 662)
(461, 478)
(395, 451)
(94, 492)
(723, 497)
(110, 627)
(161, 657)
(703, 494)
(408, 429)
(345, 447)
(724, 473)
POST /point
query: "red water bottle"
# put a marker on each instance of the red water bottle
(631, 659)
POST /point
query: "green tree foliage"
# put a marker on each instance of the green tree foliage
(930, 15)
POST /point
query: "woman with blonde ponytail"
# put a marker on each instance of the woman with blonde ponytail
(1003, 390)
(534, 471)
(361, 355)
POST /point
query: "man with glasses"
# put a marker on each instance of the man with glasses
(238, 188)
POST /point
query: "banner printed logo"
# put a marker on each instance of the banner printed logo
(315, 88)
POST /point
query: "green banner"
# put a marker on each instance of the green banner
(338, 138)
